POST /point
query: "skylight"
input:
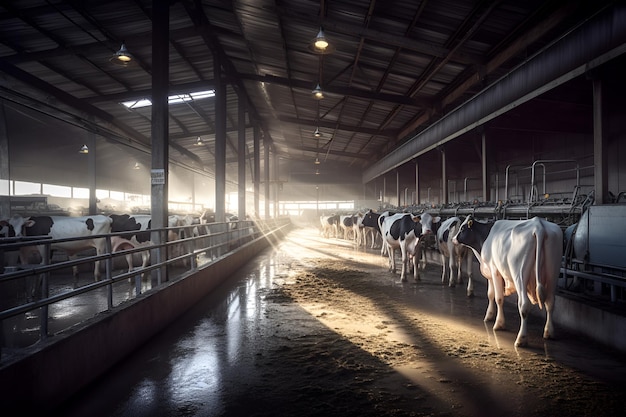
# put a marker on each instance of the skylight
(175, 99)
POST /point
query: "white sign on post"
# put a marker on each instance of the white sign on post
(157, 176)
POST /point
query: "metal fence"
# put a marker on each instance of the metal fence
(38, 300)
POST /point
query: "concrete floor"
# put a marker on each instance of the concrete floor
(249, 349)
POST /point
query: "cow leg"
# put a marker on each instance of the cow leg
(404, 256)
(416, 261)
(459, 269)
(129, 261)
(443, 268)
(523, 306)
(392, 259)
(498, 287)
(470, 275)
(548, 330)
(491, 307)
(455, 270)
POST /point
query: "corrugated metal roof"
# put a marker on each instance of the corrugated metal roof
(392, 73)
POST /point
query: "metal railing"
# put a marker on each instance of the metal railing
(27, 292)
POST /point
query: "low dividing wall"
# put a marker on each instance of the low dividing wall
(57, 368)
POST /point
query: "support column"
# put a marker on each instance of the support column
(220, 141)
(5, 179)
(277, 185)
(241, 161)
(266, 168)
(257, 171)
(485, 174)
(382, 202)
(92, 172)
(417, 183)
(160, 129)
(398, 194)
(444, 177)
(600, 158)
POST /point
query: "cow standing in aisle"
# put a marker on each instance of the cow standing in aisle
(63, 227)
(329, 225)
(452, 256)
(375, 220)
(401, 231)
(346, 224)
(430, 225)
(522, 256)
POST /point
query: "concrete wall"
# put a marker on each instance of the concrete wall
(53, 370)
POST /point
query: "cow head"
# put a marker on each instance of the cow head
(6, 230)
(18, 224)
(472, 233)
(429, 223)
(370, 219)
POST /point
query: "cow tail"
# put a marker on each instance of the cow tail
(541, 291)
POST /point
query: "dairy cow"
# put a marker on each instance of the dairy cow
(329, 225)
(452, 256)
(62, 227)
(522, 256)
(430, 225)
(375, 220)
(399, 231)
(346, 224)
(139, 227)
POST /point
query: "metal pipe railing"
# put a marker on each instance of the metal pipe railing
(220, 238)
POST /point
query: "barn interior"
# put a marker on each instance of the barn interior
(393, 73)
(498, 108)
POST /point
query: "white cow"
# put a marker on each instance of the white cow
(62, 227)
(452, 255)
(522, 256)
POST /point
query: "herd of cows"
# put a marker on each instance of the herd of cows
(522, 256)
(515, 256)
(78, 234)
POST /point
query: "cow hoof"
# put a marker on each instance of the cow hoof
(498, 326)
(521, 342)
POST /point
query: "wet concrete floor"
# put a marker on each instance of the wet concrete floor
(316, 327)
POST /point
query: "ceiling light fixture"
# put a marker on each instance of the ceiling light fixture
(317, 132)
(317, 161)
(320, 44)
(199, 141)
(137, 166)
(122, 57)
(84, 149)
(317, 172)
(318, 94)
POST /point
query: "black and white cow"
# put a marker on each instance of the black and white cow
(62, 227)
(452, 256)
(375, 220)
(139, 227)
(346, 224)
(329, 225)
(522, 256)
(402, 231)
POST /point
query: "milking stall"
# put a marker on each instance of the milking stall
(252, 208)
